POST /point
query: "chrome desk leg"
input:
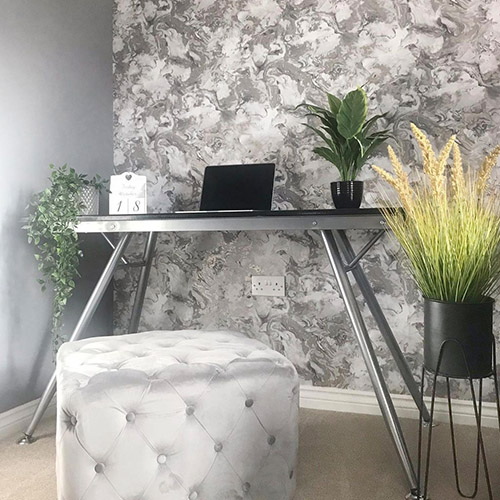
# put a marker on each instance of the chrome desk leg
(383, 325)
(381, 391)
(80, 327)
(142, 283)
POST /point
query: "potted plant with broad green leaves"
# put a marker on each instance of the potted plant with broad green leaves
(51, 229)
(449, 229)
(350, 139)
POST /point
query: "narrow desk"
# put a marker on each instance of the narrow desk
(330, 224)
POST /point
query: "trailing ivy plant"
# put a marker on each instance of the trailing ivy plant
(50, 227)
(349, 136)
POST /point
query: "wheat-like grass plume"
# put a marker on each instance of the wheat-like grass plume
(386, 176)
(444, 155)
(405, 189)
(428, 156)
(439, 179)
(401, 185)
(486, 168)
(457, 173)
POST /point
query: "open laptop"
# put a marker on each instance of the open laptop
(238, 187)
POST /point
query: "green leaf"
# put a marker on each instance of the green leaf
(368, 152)
(334, 103)
(321, 134)
(373, 145)
(318, 111)
(330, 156)
(351, 152)
(360, 144)
(369, 123)
(352, 113)
(329, 125)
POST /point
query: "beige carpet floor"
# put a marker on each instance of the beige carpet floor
(341, 457)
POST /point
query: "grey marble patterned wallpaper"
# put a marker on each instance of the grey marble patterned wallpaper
(217, 82)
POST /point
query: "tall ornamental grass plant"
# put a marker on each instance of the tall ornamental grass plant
(449, 227)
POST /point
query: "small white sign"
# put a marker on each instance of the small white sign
(127, 194)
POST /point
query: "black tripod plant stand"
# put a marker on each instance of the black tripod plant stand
(424, 462)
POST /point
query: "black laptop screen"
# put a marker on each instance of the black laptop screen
(238, 187)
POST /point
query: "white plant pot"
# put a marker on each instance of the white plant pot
(89, 196)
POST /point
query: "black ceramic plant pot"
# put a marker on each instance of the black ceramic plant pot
(347, 194)
(466, 325)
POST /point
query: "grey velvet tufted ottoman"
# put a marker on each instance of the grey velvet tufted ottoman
(184, 415)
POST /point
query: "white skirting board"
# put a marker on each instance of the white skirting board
(16, 421)
(344, 400)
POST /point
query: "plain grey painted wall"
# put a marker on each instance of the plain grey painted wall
(55, 107)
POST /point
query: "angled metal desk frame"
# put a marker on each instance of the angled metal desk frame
(330, 224)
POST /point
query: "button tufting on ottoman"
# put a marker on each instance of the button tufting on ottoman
(175, 416)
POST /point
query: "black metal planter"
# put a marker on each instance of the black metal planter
(347, 194)
(458, 343)
(463, 327)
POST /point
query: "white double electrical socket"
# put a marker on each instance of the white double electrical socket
(270, 286)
